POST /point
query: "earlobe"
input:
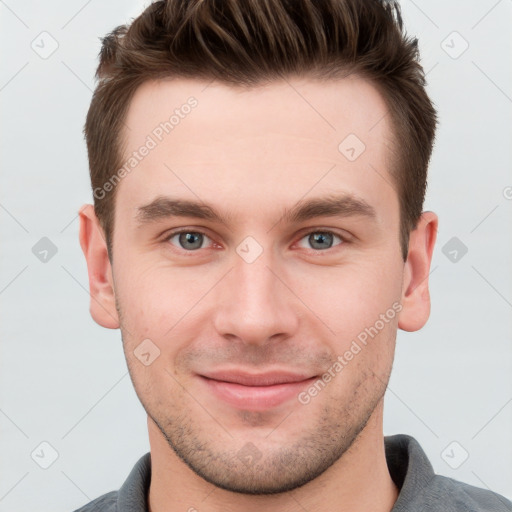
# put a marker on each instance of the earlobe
(415, 290)
(102, 303)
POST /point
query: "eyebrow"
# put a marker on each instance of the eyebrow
(344, 205)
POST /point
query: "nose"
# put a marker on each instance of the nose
(256, 304)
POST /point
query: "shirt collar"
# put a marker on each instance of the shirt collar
(409, 468)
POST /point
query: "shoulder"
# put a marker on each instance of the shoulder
(105, 503)
(422, 489)
(132, 494)
(450, 495)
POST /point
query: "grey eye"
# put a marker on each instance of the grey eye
(321, 240)
(189, 240)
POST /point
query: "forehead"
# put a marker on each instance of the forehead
(252, 146)
(328, 107)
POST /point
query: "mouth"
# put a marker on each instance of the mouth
(255, 392)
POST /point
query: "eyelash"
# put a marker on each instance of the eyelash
(344, 239)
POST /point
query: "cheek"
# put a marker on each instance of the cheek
(351, 297)
(157, 302)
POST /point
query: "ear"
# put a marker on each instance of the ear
(415, 293)
(92, 240)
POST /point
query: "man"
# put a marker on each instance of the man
(259, 170)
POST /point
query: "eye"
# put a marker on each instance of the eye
(188, 240)
(321, 240)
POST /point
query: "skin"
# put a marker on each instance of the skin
(253, 153)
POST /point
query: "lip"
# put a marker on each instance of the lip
(255, 392)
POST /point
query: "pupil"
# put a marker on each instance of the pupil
(191, 238)
(319, 238)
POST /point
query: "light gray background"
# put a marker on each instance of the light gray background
(64, 379)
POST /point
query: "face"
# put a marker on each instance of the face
(257, 274)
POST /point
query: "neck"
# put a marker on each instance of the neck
(358, 481)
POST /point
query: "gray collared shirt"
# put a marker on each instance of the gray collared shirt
(421, 490)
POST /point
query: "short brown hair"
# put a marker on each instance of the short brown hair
(250, 42)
